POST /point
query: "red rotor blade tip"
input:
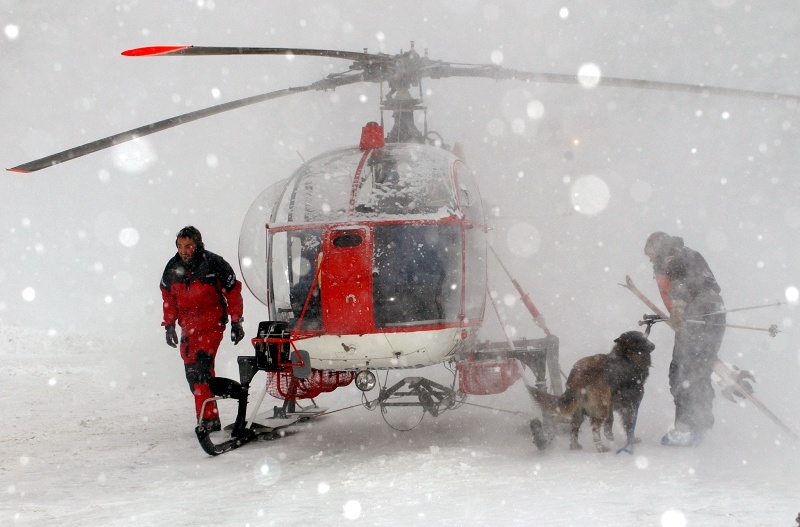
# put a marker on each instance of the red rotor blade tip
(153, 50)
(17, 170)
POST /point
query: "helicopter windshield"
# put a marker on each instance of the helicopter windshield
(320, 189)
(416, 274)
(406, 180)
(397, 180)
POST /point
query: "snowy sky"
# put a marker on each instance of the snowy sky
(84, 243)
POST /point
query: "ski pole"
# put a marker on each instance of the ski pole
(652, 319)
(776, 304)
(772, 330)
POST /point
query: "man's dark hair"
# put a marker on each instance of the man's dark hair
(663, 244)
(656, 240)
(194, 234)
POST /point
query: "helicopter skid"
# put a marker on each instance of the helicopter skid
(432, 397)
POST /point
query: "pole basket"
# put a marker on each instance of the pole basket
(487, 377)
(284, 385)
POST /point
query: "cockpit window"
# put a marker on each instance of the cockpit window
(405, 180)
(293, 262)
(396, 180)
(347, 239)
(320, 190)
(416, 279)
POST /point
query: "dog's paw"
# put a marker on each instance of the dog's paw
(575, 446)
(602, 448)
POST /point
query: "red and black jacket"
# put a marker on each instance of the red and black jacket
(202, 294)
(684, 275)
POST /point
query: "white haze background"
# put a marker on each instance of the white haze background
(97, 418)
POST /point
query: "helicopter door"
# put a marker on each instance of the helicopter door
(346, 281)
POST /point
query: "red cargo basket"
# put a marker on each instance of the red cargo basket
(284, 385)
(487, 377)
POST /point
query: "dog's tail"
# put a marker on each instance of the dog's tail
(554, 404)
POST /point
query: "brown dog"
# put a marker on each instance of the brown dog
(598, 386)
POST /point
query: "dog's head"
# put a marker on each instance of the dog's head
(634, 346)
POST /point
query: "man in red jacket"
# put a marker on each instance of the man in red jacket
(200, 292)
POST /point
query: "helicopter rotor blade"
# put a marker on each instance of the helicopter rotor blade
(438, 69)
(400, 71)
(164, 51)
(442, 70)
(122, 137)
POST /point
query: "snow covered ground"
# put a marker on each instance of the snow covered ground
(99, 432)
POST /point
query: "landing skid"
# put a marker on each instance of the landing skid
(432, 397)
(257, 432)
(280, 418)
(265, 426)
(259, 426)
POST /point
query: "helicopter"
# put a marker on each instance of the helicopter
(373, 257)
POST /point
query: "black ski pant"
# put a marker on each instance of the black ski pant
(693, 358)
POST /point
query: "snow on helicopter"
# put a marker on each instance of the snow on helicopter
(372, 257)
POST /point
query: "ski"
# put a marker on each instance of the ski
(257, 433)
(720, 368)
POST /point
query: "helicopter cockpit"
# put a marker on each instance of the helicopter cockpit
(388, 225)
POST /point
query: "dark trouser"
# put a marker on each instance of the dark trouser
(693, 358)
(198, 351)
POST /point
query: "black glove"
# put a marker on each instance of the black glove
(172, 335)
(237, 332)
